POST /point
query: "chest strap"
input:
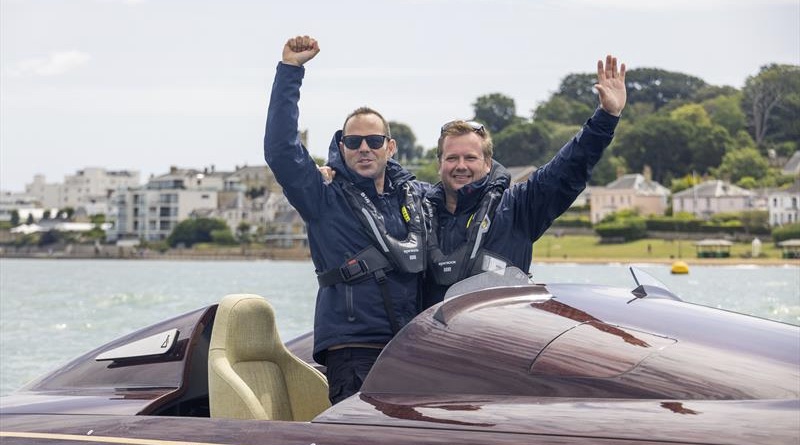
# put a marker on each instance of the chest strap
(365, 264)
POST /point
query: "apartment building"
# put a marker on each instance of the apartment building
(88, 190)
(152, 212)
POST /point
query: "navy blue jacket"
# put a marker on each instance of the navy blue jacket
(345, 313)
(526, 209)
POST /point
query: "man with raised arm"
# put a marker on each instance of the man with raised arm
(481, 222)
(365, 228)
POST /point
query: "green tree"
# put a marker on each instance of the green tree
(523, 143)
(727, 112)
(14, 218)
(496, 111)
(243, 232)
(191, 231)
(686, 182)
(707, 142)
(407, 148)
(660, 142)
(559, 134)
(659, 87)
(66, 213)
(772, 104)
(579, 87)
(710, 92)
(223, 236)
(428, 168)
(740, 163)
(30, 219)
(608, 168)
(563, 110)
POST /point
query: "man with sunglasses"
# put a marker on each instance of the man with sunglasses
(365, 228)
(482, 223)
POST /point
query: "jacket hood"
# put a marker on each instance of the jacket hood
(471, 194)
(396, 174)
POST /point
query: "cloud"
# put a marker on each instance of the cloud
(53, 65)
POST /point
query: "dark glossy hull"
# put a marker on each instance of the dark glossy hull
(556, 364)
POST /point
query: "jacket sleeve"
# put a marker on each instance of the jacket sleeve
(293, 167)
(551, 189)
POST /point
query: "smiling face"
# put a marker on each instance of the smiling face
(462, 162)
(367, 162)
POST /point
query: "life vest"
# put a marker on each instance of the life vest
(470, 258)
(386, 252)
(405, 255)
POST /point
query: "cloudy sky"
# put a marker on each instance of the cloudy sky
(145, 84)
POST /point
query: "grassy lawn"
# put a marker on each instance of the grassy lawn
(588, 247)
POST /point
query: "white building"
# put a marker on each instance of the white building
(24, 204)
(715, 196)
(87, 190)
(633, 191)
(49, 195)
(152, 212)
(784, 206)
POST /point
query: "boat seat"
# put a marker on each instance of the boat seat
(251, 374)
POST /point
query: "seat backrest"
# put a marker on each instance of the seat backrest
(251, 374)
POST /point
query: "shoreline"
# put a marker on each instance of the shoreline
(301, 255)
(689, 261)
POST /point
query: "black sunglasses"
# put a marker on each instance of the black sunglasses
(477, 127)
(374, 141)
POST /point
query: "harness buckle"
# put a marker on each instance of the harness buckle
(353, 269)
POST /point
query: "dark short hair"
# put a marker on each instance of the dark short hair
(460, 128)
(367, 110)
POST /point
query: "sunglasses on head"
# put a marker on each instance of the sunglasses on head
(477, 127)
(374, 141)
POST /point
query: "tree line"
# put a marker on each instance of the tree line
(676, 124)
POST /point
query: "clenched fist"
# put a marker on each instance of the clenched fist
(299, 50)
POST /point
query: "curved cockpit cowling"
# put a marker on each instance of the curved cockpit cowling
(160, 369)
(587, 342)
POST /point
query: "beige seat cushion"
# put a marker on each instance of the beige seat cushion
(251, 373)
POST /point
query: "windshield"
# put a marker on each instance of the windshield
(510, 276)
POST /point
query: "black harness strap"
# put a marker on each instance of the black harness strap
(365, 264)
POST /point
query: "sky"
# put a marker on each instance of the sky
(148, 84)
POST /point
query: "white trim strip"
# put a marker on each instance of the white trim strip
(102, 439)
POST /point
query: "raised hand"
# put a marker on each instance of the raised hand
(299, 50)
(611, 86)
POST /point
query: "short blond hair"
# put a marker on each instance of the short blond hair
(460, 128)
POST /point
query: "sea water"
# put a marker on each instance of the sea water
(54, 310)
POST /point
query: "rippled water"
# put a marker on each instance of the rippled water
(53, 310)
